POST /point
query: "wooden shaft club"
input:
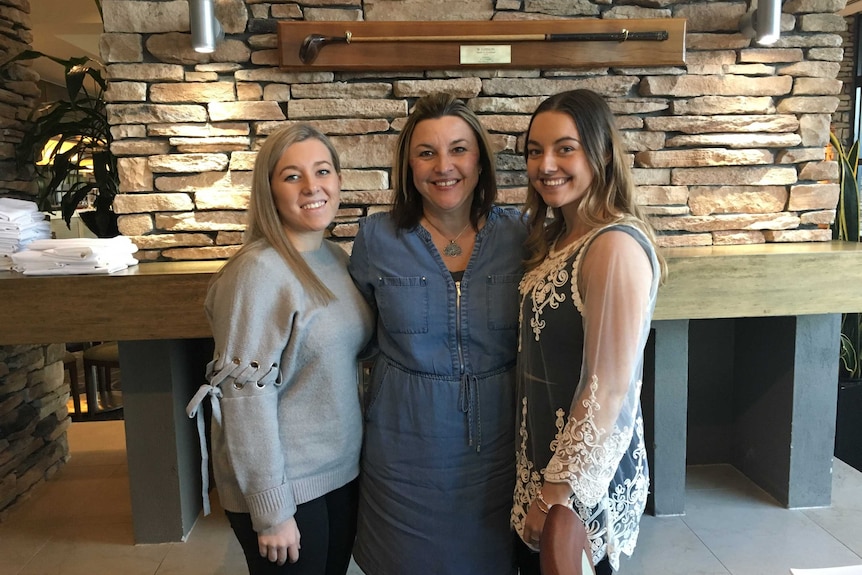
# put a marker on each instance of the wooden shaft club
(313, 43)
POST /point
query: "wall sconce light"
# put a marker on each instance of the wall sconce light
(206, 29)
(762, 23)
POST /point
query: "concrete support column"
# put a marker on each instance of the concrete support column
(159, 378)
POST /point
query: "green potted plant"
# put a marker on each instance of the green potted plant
(848, 428)
(75, 138)
(846, 228)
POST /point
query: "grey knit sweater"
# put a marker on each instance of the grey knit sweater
(288, 427)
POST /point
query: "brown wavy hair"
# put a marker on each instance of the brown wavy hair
(610, 197)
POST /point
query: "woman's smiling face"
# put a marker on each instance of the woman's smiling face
(557, 164)
(444, 159)
(305, 188)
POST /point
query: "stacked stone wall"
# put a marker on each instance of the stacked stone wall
(844, 117)
(727, 149)
(33, 416)
(19, 92)
(33, 419)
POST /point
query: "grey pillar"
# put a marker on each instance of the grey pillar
(665, 403)
(785, 393)
(158, 378)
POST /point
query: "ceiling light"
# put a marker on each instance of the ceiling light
(206, 29)
(763, 23)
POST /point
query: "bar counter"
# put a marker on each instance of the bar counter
(165, 300)
(788, 298)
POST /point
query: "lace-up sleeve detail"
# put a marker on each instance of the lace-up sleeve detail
(614, 280)
(217, 371)
(241, 372)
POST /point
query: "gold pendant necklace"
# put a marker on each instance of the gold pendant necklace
(452, 249)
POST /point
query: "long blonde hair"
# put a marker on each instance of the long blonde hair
(264, 226)
(610, 197)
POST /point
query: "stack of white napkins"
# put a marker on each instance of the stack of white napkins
(20, 224)
(75, 256)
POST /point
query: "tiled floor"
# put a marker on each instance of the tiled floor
(80, 523)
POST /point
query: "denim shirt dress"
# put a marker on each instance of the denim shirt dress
(437, 469)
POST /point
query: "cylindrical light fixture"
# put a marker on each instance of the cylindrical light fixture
(763, 23)
(206, 29)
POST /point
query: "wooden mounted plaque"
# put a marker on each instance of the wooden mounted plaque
(533, 44)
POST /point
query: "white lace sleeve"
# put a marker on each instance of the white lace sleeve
(614, 281)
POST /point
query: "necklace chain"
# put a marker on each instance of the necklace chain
(452, 249)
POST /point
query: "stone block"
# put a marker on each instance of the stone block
(203, 253)
(338, 108)
(135, 175)
(343, 90)
(193, 92)
(155, 113)
(145, 72)
(734, 175)
(121, 48)
(126, 92)
(139, 147)
(145, 17)
(135, 224)
(464, 88)
(164, 241)
(372, 151)
(221, 200)
(201, 221)
(707, 200)
(422, 10)
(813, 197)
(150, 203)
(229, 111)
(181, 163)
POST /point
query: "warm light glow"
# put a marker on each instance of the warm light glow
(50, 150)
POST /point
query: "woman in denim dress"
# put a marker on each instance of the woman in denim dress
(442, 271)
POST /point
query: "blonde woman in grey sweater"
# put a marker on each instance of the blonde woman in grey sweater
(288, 325)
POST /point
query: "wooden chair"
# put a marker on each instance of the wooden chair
(565, 548)
(70, 364)
(99, 360)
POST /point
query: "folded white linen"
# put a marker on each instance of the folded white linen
(26, 234)
(74, 270)
(24, 222)
(79, 254)
(11, 209)
(31, 259)
(119, 242)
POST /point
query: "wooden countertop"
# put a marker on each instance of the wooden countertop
(165, 300)
(761, 280)
(147, 301)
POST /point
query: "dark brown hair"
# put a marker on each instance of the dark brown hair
(407, 208)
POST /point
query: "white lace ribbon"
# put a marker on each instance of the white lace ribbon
(217, 373)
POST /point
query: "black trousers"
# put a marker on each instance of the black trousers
(528, 561)
(327, 527)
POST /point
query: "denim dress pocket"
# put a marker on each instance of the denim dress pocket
(503, 301)
(403, 304)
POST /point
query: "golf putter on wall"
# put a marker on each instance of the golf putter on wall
(314, 43)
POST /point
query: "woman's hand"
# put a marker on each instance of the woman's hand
(280, 542)
(534, 524)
